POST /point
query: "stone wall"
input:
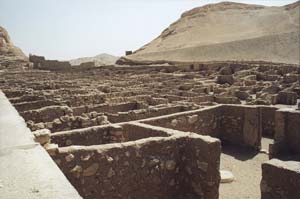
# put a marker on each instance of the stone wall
(39, 62)
(30, 105)
(109, 108)
(240, 125)
(179, 166)
(268, 120)
(83, 99)
(280, 179)
(143, 113)
(46, 114)
(55, 65)
(204, 121)
(289, 98)
(105, 134)
(36, 59)
(287, 133)
(89, 136)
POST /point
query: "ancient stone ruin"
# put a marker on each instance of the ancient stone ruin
(167, 131)
(194, 114)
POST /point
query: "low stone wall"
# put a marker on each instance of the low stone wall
(240, 125)
(139, 98)
(106, 134)
(30, 105)
(81, 100)
(203, 98)
(89, 136)
(39, 62)
(143, 113)
(27, 97)
(204, 121)
(179, 166)
(46, 114)
(287, 133)
(284, 97)
(109, 108)
(54, 65)
(280, 179)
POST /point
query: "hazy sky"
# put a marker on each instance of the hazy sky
(65, 29)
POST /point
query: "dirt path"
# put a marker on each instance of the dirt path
(246, 167)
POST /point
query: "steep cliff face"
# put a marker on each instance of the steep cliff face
(10, 55)
(228, 31)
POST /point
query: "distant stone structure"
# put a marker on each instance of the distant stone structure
(39, 62)
(128, 52)
(88, 64)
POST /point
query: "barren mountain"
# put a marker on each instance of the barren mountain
(228, 31)
(101, 59)
(9, 54)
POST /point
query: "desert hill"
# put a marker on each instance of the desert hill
(228, 31)
(101, 59)
(10, 55)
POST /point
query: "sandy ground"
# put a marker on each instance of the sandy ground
(246, 167)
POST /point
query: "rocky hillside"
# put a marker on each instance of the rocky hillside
(10, 55)
(228, 31)
(101, 59)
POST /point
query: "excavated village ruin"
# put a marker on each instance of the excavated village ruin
(163, 131)
(151, 132)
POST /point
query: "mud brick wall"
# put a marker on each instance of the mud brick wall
(280, 179)
(203, 122)
(287, 133)
(172, 167)
(89, 136)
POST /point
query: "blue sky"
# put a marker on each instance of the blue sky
(66, 29)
